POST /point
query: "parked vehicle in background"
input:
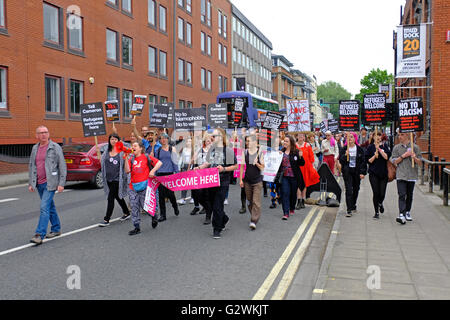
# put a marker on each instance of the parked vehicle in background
(83, 164)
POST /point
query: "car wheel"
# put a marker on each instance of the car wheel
(97, 181)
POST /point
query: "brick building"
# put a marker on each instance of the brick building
(436, 13)
(58, 54)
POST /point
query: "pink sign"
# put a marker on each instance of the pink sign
(150, 196)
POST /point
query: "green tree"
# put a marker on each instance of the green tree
(369, 84)
(332, 92)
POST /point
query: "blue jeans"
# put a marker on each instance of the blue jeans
(48, 211)
(288, 194)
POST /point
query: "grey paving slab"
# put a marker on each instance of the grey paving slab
(348, 285)
(433, 293)
(427, 267)
(350, 253)
(431, 280)
(395, 276)
(347, 272)
(345, 295)
(396, 290)
(349, 262)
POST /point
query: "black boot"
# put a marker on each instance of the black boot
(298, 206)
(302, 203)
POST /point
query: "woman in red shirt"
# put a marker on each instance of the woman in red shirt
(310, 175)
(142, 167)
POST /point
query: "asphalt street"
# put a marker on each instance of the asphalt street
(177, 260)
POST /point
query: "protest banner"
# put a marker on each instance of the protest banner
(218, 115)
(112, 110)
(410, 115)
(190, 119)
(272, 162)
(349, 115)
(298, 114)
(160, 116)
(188, 180)
(324, 126)
(411, 51)
(272, 121)
(333, 125)
(374, 109)
(138, 105)
(93, 121)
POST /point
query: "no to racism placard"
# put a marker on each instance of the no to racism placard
(411, 51)
(190, 119)
(374, 109)
(112, 110)
(218, 115)
(272, 121)
(348, 115)
(410, 115)
(138, 105)
(298, 115)
(93, 119)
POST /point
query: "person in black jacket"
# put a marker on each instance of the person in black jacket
(377, 156)
(354, 168)
(290, 175)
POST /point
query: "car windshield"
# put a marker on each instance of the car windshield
(77, 148)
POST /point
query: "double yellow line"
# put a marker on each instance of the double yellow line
(291, 270)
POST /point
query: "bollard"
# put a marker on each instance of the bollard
(445, 195)
(436, 171)
(441, 186)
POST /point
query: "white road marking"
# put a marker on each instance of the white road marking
(9, 199)
(15, 186)
(59, 237)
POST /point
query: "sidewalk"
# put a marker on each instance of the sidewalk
(13, 179)
(413, 259)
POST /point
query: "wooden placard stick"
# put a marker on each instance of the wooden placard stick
(411, 137)
(98, 149)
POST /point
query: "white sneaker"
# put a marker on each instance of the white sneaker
(181, 201)
(401, 219)
(252, 225)
(191, 201)
(226, 201)
(408, 217)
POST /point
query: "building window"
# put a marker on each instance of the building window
(206, 12)
(3, 89)
(189, 104)
(162, 18)
(126, 6)
(2, 14)
(181, 104)
(188, 34)
(203, 42)
(52, 94)
(163, 63)
(163, 100)
(220, 84)
(219, 51)
(181, 3)
(75, 32)
(127, 102)
(234, 54)
(180, 29)
(181, 70)
(224, 55)
(114, 2)
(188, 73)
(127, 51)
(189, 6)
(225, 84)
(152, 60)
(152, 12)
(112, 94)
(76, 96)
(111, 45)
(51, 23)
(203, 78)
(152, 99)
(209, 45)
(209, 80)
(222, 23)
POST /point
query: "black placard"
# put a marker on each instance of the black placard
(284, 123)
(112, 110)
(348, 115)
(374, 109)
(218, 115)
(333, 125)
(272, 120)
(93, 119)
(160, 116)
(187, 119)
(410, 115)
(238, 111)
(324, 126)
(138, 105)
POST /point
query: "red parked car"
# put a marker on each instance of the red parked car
(83, 164)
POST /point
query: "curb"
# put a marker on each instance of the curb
(318, 290)
(5, 182)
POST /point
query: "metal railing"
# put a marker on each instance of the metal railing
(446, 175)
(435, 172)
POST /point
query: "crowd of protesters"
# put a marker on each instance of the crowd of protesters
(153, 153)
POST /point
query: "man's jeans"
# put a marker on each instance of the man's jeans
(48, 211)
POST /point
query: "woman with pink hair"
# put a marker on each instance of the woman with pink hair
(354, 168)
